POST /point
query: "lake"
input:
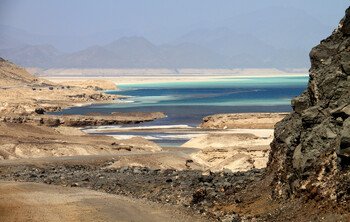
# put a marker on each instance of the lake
(186, 103)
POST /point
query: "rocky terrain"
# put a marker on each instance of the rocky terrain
(89, 119)
(24, 93)
(24, 98)
(246, 148)
(236, 152)
(29, 141)
(310, 155)
(307, 177)
(242, 120)
(12, 75)
(25, 129)
(194, 190)
(221, 196)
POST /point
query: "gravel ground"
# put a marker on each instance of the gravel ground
(194, 190)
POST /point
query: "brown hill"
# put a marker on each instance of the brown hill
(24, 93)
(12, 75)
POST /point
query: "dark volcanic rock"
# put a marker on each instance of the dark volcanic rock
(311, 151)
(169, 186)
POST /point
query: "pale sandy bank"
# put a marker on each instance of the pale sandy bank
(137, 76)
(236, 152)
(137, 79)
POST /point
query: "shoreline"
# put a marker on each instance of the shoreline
(137, 79)
(189, 130)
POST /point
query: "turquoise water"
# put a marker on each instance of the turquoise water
(227, 82)
(257, 91)
(186, 103)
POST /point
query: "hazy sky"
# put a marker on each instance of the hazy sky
(73, 17)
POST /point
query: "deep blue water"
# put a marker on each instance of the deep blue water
(258, 91)
(187, 103)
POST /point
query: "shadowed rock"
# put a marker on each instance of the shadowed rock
(310, 154)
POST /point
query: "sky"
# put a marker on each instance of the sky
(74, 18)
(265, 31)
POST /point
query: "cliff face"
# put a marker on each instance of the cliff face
(311, 151)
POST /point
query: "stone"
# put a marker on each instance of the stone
(207, 179)
(311, 115)
(137, 170)
(345, 62)
(199, 195)
(124, 169)
(345, 135)
(345, 24)
(226, 171)
(312, 144)
(300, 103)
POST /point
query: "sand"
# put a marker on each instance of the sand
(233, 151)
(123, 80)
(242, 120)
(137, 76)
(29, 141)
(246, 147)
(213, 149)
(40, 202)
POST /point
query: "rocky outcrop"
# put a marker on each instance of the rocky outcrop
(24, 93)
(242, 120)
(40, 99)
(310, 154)
(29, 141)
(89, 119)
(235, 152)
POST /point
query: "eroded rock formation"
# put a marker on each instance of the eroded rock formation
(28, 141)
(310, 154)
(242, 120)
(23, 93)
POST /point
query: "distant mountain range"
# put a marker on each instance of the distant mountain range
(280, 38)
(127, 52)
(138, 52)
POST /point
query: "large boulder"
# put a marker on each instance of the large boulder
(310, 154)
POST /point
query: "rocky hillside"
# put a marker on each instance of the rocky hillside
(310, 154)
(12, 75)
(24, 93)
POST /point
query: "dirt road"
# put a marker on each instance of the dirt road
(39, 202)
